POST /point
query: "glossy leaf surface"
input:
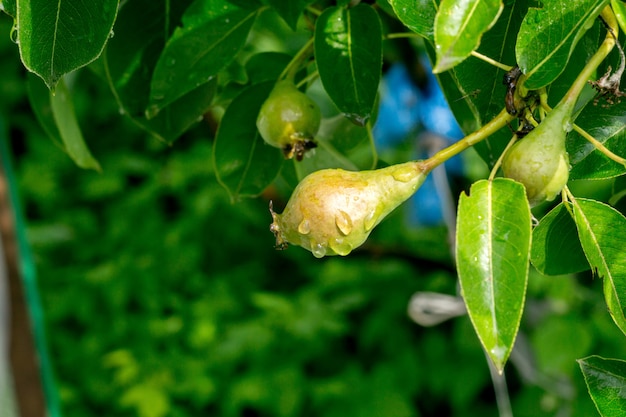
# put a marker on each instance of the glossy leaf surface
(606, 379)
(548, 36)
(474, 88)
(245, 165)
(601, 231)
(130, 58)
(492, 252)
(459, 26)
(57, 37)
(556, 249)
(607, 124)
(417, 15)
(9, 7)
(212, 33)
(348, 51)
(619, 8)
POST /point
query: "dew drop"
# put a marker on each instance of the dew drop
(343, 222)
(318, 250)
(170, 62)
(304, 228)
(340, 246)
(370, 220)
(111, 34)
(567, 126)
(498, 352)
(404, 174)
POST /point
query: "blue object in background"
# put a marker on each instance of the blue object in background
(405, 111)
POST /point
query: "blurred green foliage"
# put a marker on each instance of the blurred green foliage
(164, 299)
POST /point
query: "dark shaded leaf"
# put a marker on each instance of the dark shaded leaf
(290, 10)
(244, 164)
(212, 34)
(556, 249)
(348, 51)
(607, 124)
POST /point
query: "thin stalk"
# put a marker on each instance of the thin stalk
(496, 166)
(289, 73)
(609, 42)
(599, 146)
(491, 61)
(400, 35)
(370, 136)
(497, 123)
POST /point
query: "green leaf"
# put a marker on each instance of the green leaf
(601, 231)
(56, 38)
(130, 58)
(459, 25)
(474, 88)
(492, 251)
(556, 249)
(417, 15)
(290, 10)
(619, 8)
(348, 51)
(9, 7)
(605, 379)
(608, 125)
(548, 36)
(56, 114)
(212, 34)
(266, 66)
(245, 165)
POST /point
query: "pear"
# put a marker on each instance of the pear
(333, 211)
(539, 161)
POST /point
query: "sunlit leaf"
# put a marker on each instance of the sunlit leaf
(619, 8)
(474, 88)
(348, 51)
(548, 36)
(601, 230)
(459, 26)
(212, 34)
(556, 249)
(493, 240)
(417, 15)
(245, 165)
(606, 379)
(57, 37)
(607, 124)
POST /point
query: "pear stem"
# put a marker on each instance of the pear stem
(609, 42)
(497, 123)
(289, 73)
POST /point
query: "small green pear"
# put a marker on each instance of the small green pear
(333, 211)
(539, 160)
(289, 120)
